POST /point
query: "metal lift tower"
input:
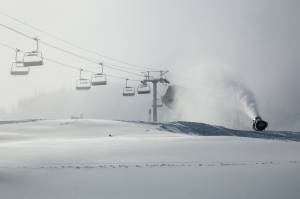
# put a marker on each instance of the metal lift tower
(152, 77)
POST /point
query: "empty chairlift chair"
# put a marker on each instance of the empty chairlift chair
(33, 58)
(143, 88)
(83, 83)
(128, 90)
(17, 67)
(99, 78)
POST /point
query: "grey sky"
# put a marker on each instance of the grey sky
(201, 42)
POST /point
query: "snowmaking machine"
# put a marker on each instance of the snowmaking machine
(259, 124)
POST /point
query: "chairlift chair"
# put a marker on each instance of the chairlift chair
(99, 78)
(33, 58)
(17, 67)
(128, 91)
(83, 83)
(143, 89)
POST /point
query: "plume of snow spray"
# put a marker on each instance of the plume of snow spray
(246, 99)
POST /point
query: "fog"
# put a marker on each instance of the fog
(203, 43)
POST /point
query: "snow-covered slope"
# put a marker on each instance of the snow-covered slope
(209, 130)
(78, 159)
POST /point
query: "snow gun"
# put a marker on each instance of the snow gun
(259, 124)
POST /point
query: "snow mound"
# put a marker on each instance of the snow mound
(95, 127)
(63, 158)
(210, 130)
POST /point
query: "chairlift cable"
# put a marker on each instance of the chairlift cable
(86, 58)
(7, 46)
(87, 70)
(68, 65)
(67, 51)
(16, 31)
(75, 45)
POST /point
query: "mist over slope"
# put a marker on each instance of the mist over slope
(67, 102)
(199, 42)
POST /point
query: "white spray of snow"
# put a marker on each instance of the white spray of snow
(245, 97)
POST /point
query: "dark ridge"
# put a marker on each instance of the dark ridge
(18, 121)
(210, 130)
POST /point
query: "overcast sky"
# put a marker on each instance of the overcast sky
(203, 43)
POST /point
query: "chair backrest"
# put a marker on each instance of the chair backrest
(143, 89)
(83, 84)
(17, 68)
(99, 79)
(128, 91)
(34, 58)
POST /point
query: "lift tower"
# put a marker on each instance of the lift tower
(155, 77)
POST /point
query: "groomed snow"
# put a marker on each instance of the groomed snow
(78, 159)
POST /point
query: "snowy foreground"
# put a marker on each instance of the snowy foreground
(78, 159)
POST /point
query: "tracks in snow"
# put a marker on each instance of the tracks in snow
(153, 165)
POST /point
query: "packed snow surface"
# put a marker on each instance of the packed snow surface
(116, 159)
